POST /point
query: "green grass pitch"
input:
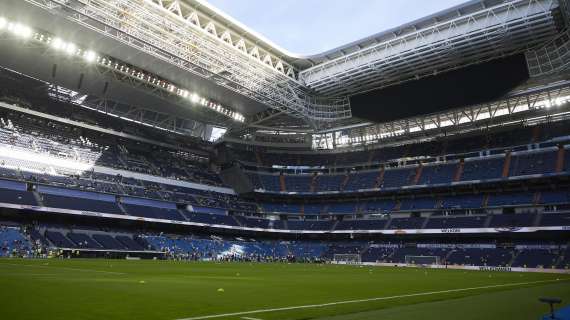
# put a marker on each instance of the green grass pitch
(120, 289)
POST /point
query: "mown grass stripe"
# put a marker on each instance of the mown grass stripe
(321, 305)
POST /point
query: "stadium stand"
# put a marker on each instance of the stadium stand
(166, 130)
(119, 194)
(24, 241)
(499, 257)
(59, 156)
(13, 242)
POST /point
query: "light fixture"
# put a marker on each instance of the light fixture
(20, 30)
(90, 56)
(57, 43)
(70, 48)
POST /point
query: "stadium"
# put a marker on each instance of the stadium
(161, 160)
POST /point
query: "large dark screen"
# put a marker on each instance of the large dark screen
(471, 85)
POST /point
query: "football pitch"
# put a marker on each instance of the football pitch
(167, 290)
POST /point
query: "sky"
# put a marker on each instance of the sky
(314, 26)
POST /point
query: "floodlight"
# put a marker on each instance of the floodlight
(20, 30)
(70, 48)
(58, 44)
(195, 98)
(90, 56)
(547, 104)
(3, 23)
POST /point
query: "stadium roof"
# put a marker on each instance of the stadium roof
(196, 46)
(302, 61)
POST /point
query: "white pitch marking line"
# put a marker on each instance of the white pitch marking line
(62, 268)
(364, 300)
(248, 318)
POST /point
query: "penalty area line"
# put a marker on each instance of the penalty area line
(321, 305)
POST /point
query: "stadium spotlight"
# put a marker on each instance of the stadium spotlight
(58, 44)
(20, 30)
(90, 56)
(547, 104)
(70, 48)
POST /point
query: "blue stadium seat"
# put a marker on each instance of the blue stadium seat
(438, 173)
(535, 258)
(498, 257)
(483, 169)
(394, 178)
(368, 224)
(130, 243)
(469, 201)
(330, 182)
(59, 240)
(298, 183)
(512, 220)
(510, 199)
(456, 222)
(83, 241)
(555, 219)
(362, 180)
(406, 223)
(310, 225)
(417, 204)
(108, 242)
(533, 163)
